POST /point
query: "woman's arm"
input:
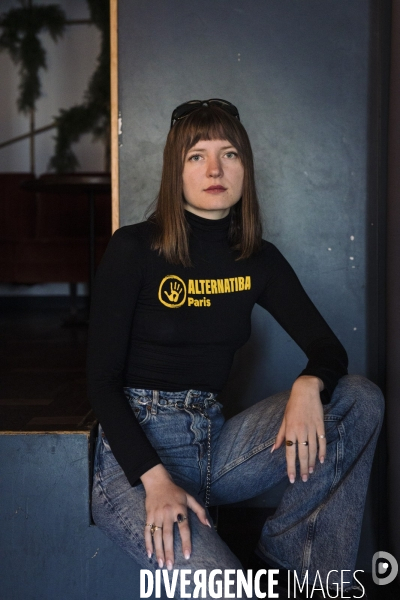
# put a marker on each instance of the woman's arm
(287, 301)
(118, 282)
(285, 298)
(117, 286)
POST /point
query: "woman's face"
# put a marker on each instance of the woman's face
(212, 178)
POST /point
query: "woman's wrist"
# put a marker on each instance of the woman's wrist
(155, 476)
(309, 380)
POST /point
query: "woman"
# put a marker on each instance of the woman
(172, 304)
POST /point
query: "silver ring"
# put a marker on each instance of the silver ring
(321, 437)
(304, 443)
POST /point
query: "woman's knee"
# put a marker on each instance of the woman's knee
(364, 395)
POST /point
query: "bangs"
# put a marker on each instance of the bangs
(210, 123)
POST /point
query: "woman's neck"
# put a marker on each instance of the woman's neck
(213, 215)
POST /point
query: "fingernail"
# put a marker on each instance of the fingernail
(304, 477)
(149, 553)
(208, 522)
(160, 563)
(311, 470)
(187, 555)
(169, 565)
(291, 478)
(273, 448)
(322, 459)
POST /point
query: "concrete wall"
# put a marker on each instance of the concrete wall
(307, 77)
(49, 549)
(302, 77)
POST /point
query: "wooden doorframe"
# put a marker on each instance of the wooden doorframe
(114, 114)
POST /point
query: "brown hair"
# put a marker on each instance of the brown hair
(171, 235)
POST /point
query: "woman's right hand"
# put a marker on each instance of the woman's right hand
(164, 502)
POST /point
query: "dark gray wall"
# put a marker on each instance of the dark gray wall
(306, 77)
(299, 73)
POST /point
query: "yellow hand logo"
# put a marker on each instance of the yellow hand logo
(176, 289)
(172, 291)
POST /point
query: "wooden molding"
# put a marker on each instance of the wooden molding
(114, 114)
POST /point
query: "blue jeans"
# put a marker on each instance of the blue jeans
(317, 524)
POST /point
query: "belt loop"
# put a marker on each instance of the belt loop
(154, 402)
(188, 397)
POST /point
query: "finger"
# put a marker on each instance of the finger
(184, 532)
(168, 541)
(280, 438)
(198, 510)
(148, 539)
(291, 457)
(321, 445)
(312, 451)
(302, 448)
(184, 528)
(158, 544)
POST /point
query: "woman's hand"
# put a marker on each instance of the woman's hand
(303, 421)
(164, 502)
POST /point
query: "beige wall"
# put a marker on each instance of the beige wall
(70, 62)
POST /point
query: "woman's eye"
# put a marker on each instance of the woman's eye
(195, 157)
(231, 154)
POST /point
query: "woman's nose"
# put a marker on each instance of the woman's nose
(214, 167)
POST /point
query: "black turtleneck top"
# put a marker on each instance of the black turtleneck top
(159, 326)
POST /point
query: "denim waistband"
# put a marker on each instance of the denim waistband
(185, 398)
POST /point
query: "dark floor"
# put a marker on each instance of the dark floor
(43, 388)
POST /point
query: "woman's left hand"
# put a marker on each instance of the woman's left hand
(303, 421)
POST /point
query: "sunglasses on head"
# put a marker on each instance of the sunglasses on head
(183, 110)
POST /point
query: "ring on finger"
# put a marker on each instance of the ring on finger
(289, 443)
(148, 524)
(321, 437)
(180, 518)
(154, 528)
(304, 443)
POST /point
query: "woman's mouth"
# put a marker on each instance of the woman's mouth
(215, 189)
